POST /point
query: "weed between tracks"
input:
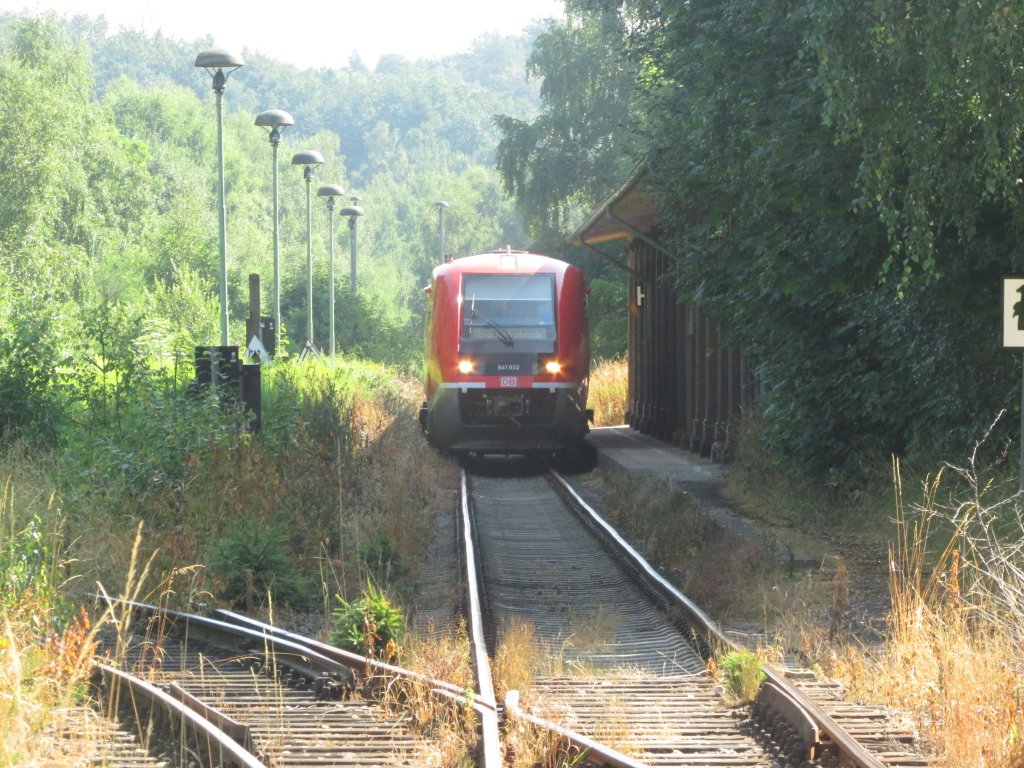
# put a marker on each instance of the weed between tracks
(450, 725)
(520, 660)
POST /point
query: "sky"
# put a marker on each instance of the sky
(306, 34)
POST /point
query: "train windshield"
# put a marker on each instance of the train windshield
(511, 310)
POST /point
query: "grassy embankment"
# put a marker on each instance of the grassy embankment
(172, 498)
(950, 652)
(176, 497)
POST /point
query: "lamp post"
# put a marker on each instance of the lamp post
(441, 205)
(353, 212)
(331, 191)
(276, 120)
(215, 61)
(309, 159)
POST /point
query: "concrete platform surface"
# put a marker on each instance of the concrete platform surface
(625, 449)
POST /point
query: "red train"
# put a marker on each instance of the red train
(507, 358)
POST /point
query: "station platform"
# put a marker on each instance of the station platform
(624, 449)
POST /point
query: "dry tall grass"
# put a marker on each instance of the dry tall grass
(518, 659)
(453, 727)
(378, 482)
(952, 658)
(46, 656)
(39, 670)
(609, 392)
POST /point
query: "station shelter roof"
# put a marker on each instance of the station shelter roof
(629, 211)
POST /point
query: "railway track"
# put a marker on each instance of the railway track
(231, 691)
(624, 681)
(629, 652)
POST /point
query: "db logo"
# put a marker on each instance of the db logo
(509, 381)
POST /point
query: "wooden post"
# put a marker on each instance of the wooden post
(252, 323)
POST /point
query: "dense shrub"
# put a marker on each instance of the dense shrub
(254, 564)
(370, 625)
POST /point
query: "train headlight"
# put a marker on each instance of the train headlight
(466, 366)
(552, 366)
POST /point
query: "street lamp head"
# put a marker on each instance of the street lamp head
(310, 159)
(307, 157)
(276, 120)
(330, 191)
(441, 205)
(351, 210)
(215, 61)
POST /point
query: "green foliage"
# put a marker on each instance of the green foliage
(254, 562)
(742, 673)
(563, 161)
(381, 560)
(771, 214)
(145, 454)
(43, 76)
(30, 589)
(108, 229)
(838, 180)
(840, 183)
(29, 404)
(607, 320)
(933, 121)
(368, 625)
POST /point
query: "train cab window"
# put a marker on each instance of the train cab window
(508, 310)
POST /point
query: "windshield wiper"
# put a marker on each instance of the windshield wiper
(503, 336)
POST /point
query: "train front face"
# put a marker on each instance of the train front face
(512, 369)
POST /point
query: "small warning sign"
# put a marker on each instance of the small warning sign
(256, 351)
(1013, 311)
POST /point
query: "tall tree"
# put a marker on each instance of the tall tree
(840, 183)
(43, 95)
(567, 158)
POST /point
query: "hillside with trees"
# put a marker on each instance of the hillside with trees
(110, 248)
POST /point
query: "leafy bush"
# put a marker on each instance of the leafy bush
(370, 625)
(145, 456)
(255, 561)
(29, 406)
(381, 559)
(29, 588)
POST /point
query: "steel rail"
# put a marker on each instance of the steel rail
(221, 634)
(313, 658)
(221, 748)
(596, 753)
(491, 753)
(827, 733)
(357, 662)
(310, 657)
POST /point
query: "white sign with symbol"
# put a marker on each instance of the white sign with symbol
(1013, 311)
(256, 350)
